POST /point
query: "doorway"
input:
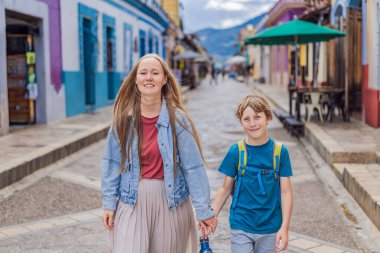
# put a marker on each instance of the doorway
(22, 79)
(110, 62)
(89, 64)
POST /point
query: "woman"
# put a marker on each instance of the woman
(152, 164)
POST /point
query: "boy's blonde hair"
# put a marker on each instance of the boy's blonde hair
(257, 103)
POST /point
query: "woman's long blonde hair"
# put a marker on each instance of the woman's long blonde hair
(127, 111)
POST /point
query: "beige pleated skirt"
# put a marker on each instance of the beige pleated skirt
(150, 227)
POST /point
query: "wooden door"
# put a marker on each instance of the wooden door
(21, 108)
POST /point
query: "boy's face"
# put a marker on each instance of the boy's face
(254, 124)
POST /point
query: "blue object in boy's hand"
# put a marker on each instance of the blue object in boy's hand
(205, 247)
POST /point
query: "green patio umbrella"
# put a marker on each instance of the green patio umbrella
(294, 32)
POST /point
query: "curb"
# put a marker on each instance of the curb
(331, 151)
(18, 168)
(362, 196)
(327, 148)
(359, 180)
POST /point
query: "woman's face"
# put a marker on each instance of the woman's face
(150, 77)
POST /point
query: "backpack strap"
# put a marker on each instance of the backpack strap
(242, 167)
(240, 171)
(242, 157)
(276, 158)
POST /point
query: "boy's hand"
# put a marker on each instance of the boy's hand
(282, 240)
(108, 218)
(208, 226)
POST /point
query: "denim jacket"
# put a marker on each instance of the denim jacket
(190, 179)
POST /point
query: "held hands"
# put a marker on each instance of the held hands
(208, 226)
(108, 219)
(282, 240)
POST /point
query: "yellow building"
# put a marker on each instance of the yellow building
(171, 7)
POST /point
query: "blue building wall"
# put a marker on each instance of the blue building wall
(75, 92)
(106, 82)
(75, 80)
(142, 43)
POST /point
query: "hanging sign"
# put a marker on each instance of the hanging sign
(32, 89)
(30, 58)
(31, 75)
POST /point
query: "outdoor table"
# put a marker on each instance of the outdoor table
(300, 91)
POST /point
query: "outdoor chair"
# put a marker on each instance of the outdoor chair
(335, 101)
(312, 103)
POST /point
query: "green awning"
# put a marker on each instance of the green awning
(294, 32)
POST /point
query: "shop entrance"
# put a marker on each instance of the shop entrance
(89, 63)
(21, 33)
(110, 62)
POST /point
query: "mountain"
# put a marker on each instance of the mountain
(221, 43)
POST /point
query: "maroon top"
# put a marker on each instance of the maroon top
(152, 164)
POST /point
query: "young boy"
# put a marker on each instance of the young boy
(263, 199)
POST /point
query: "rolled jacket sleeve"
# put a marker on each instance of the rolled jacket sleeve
(195, 172)
(110, 172)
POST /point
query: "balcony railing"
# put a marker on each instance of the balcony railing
(152, 9)
(157, 9)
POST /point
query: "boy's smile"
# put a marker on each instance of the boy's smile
(255, 126)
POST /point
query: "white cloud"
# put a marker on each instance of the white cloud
(229, 6)
(200, 14)
(230, 22)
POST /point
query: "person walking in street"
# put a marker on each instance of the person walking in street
(223, 72)
(263, 198)
(152, 164)
(213, 75)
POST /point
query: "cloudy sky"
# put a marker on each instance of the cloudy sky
(198, 14)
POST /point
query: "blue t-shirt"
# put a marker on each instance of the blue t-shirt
(256, 213)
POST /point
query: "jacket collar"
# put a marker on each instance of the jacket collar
(164, 119)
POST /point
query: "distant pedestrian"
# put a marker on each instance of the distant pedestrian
(213, 75)
(152, 165)
(263, 199)
(223, 73)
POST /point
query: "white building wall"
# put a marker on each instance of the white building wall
(70, 40)
(372, 42)
(4, 119)
(322, 63)
(266, 64)
(50, 105)
(310, 63)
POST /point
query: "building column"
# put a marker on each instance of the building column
(322, 64)
(310, 63)
(4, 111)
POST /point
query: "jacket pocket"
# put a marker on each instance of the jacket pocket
(180, 186)
(126, 180)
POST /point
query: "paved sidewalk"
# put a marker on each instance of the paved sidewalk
(83, 231)
(351, 148)
(26, 150)
(92, 220)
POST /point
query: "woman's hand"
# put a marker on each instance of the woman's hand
(108, 218)
(208, 226)
(282, 240)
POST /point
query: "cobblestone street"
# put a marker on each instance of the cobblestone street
(57, 209)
